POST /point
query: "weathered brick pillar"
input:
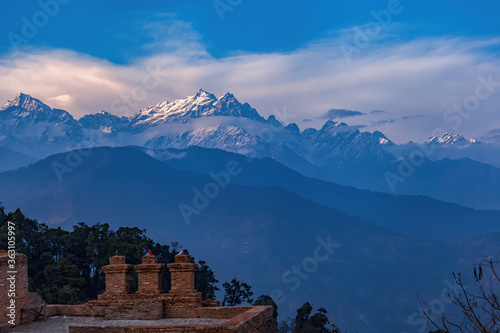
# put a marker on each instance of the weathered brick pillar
(149, 275)
(13, 286)
(14, 289)
(182, 274)
(117, 276)
(182, 294)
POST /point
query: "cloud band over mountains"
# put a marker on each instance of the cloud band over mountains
(424, 76)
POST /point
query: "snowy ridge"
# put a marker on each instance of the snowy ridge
(29, 126)
(198, 120)
(202, 104)
(451, 139)
(104, 121)
(25, 102)
(222, 137)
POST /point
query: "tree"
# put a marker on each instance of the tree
(165, 255)
(302, 317)
(317, 323)
(31, 241)
(98, 252)
(66, 267)
(64, 284)
(305, 323)
(236, 292)
(77, 243)
(286, 326)
(205, 281)
(176, 246)
(480, 307)
(267, 300)
(2, 214)
(132, 243)
(55, 239)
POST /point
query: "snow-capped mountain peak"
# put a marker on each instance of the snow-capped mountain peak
(36, 128)
(203, 94)
(332, 126)
(382, 139)
(227, 98)
(25, 102)
(232, 126)
(104, 121)
(451, 139)
(31, 110)
(202, 104)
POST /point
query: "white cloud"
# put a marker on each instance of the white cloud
(425, 76)
(62, 101)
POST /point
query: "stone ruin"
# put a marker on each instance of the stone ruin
(150, 302)
(31, 302)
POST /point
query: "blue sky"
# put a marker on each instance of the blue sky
(412, 59)
(107, 30)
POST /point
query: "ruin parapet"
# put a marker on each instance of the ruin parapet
(150, 302)
(117, 276)
(149, 275)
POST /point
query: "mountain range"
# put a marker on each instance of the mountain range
(336, 152)
(255, 197)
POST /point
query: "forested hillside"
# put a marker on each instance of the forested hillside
(65, 267)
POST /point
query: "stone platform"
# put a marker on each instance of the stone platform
(62, 324)
(149, 310)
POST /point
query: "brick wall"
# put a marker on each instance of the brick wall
(173, 329)
(149, 275)
(117, 275)
(182, 293)
(182, 274)
(142, 309)
(149, 303)
(23, 298)
(221, 312)
(257, 319)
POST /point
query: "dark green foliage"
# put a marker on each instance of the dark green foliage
(302, 317)
(205, 281)
(65, 267)
(63, 283)
(286, 326)
(305, 323)
(165, 254)
(236, 292)
(316, 323)
(267, 300)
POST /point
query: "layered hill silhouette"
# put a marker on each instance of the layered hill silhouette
(255, 228)
(412, 215)
(12, 160)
